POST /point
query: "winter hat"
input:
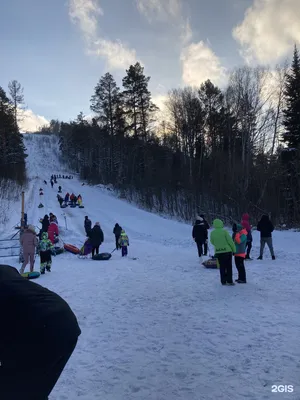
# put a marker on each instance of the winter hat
(199, 218)
(31, 228)
(97, 223)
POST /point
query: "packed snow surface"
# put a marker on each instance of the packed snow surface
(162, 327)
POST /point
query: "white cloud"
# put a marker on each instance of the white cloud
(269, 30)
(85, 13)
(118, 56)
(200, 63)
(159, 9)
(30, 122)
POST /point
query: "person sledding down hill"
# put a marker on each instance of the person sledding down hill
(87, 248)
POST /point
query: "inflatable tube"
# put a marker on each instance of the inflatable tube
(71, 249)
(59, 250)
(31, 275)
(102, 257)
(212, 263)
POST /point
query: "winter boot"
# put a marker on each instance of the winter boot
(240, 281)
(48, 269)
(273, 258)
(260, 258)
(230, 284)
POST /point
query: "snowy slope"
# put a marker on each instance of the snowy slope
(162, 327)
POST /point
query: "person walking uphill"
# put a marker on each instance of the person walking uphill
(265, 227)
(224, 247)
(29, 243)
(38, 335)
(53, 231)
(117, 232)
(97, 238)
(124, 243)
(200, 235)
(239, 237)
(246, 224)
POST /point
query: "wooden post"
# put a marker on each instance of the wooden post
(22, 210)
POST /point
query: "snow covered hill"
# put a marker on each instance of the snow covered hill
(162, 327)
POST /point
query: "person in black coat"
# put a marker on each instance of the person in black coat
(38, 335)
(45, 223)
(265, 227)
(117, 232)
(200, 235)
(97, 238)
(87, 225)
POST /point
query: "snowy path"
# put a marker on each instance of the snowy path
(162, 327)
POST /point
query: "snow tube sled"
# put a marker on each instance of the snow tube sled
(59, 250)
(212, 263)
(101, 256)
(71, 249)
(40, 205)
(31, 275)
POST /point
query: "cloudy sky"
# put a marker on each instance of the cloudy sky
(59, 49)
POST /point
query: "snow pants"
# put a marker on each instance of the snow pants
(124, 251)
(95, 249)
(248, 248)
(117, 242)
(225, 262)
(240, 266)
(30, 369)
(200, 245)
(27, 257)
(269, 242)
(46, 261)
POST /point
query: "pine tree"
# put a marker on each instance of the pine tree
(16, 92)
(137, 101)
(291, 113)
(106, 103)
(12, 150)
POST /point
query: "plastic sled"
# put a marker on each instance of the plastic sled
(212, 263)
(31, 275)
(101, 256)
(59, 250)
(71, 249)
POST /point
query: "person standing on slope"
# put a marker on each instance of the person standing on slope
(29, 243)
(206, 241)
(97, 238)
(239, 237)
(117, 232)
(38, 335)
(45, 223)
(87, 225)
(224, 247)
(46, 249)
(246, 224)
(265, 227)
(200, 235)
(53, 231)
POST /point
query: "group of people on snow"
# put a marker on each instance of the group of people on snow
(48, 236)
(239, 244)
(96, 237)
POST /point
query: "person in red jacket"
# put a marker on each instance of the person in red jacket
(53, 230)
(246, 225)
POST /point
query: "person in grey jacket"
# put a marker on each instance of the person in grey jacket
(265, 227)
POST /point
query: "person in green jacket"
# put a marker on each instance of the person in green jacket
(224, 247)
